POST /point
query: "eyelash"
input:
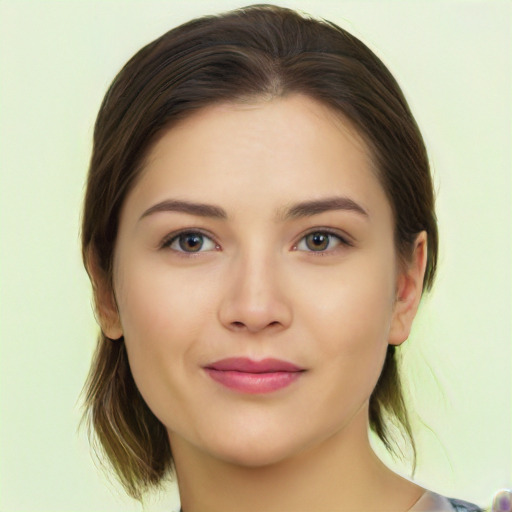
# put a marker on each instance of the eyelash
(174, 237)
(343, 241)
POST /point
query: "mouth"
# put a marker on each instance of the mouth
(253, 377)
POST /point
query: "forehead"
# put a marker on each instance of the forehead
(290, 119)
(288, 149)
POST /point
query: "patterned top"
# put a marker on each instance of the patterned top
(463, 506)
(432, 502)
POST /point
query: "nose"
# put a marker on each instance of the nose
(255, 298)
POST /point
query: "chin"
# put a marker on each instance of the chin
(255, 451)
(255, 457)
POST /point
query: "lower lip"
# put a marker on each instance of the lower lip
(253, 383)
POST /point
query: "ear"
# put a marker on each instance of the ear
(107, 313)
(408, 292)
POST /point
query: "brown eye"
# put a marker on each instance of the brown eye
(191, 242)
(317, 241)
(320, 241)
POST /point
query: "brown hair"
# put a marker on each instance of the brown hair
(259, 51)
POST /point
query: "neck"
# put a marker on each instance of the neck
(340, 473)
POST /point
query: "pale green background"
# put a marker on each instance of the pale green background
(453, 59)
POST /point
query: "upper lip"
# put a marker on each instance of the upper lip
(246, 365)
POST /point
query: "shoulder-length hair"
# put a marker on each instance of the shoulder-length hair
(257, 52)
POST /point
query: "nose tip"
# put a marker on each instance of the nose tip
(254, 300)
(253, 326)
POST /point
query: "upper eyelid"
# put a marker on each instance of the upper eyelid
(171, 237)
(343, 236)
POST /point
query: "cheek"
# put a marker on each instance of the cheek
(351, 308)
(349, 316)
(162, 318)
(159, 306)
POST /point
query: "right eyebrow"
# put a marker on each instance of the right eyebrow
(198, 209)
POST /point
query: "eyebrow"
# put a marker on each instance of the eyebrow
(197, 209)
(296, 211)
(315, 207)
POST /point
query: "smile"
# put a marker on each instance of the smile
(253, 377)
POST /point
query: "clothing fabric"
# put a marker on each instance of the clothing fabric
(433, 502)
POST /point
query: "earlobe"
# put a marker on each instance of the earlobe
(107, 313)
(408, 292)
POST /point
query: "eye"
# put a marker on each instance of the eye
(190, 242)
(320, 241)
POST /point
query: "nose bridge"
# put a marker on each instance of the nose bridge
(255, 297)
(257, 277)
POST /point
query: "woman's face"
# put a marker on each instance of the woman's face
(256, 279)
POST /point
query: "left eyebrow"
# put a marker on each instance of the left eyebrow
(315, 207)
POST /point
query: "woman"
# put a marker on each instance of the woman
(259, 228)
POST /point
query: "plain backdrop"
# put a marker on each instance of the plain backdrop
(453, 60)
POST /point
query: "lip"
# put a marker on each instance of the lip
(253, 377)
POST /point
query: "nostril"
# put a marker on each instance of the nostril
(240, 326)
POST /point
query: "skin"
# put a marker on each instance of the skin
(258, 288)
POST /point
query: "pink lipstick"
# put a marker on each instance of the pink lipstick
(248, 376)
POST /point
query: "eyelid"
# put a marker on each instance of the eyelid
(169, 239)
(344, 239)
